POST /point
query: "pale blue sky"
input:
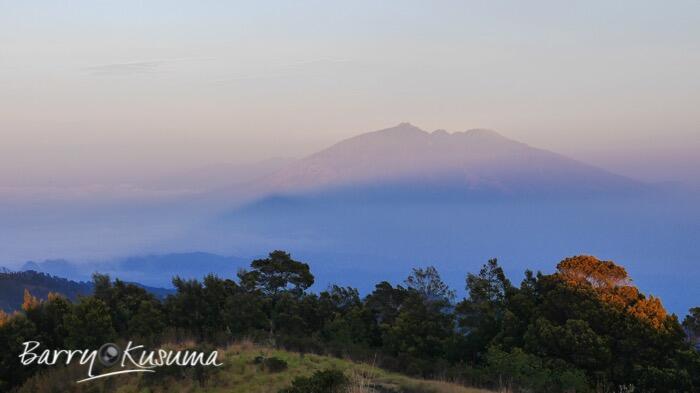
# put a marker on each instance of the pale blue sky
(97, 91)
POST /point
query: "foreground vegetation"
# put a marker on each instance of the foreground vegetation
(246, 370)
(583, 328)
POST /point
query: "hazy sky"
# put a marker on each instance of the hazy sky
(98, 91)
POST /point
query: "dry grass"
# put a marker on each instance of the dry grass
(361, 379)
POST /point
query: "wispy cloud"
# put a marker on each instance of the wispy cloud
(140, 67)
(129, 68)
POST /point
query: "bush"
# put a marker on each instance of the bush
(275, 365)
(327, 381)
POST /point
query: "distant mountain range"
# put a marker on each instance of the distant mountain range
(153, 270)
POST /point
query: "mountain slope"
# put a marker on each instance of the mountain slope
(478, 160)
(13, 284)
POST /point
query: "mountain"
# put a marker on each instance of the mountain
(384, 202)
(12, 286)
(57, 267)
(474, 161)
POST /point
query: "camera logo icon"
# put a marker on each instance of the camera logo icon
(109, 354)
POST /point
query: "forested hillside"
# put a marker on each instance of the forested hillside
(13, 284)
(583, 328)
(40, 285)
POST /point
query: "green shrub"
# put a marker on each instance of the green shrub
(275, 365)
(327, 381)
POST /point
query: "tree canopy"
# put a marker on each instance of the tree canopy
(583, 328)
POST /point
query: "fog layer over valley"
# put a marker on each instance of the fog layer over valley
(371, 206)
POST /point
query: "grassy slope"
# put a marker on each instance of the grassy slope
(240, 374)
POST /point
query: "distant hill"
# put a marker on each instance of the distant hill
(13, 284)
(156, 270)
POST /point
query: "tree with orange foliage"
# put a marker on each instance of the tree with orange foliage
(30, 302)
(3, 317)
(589, 315)
(649, 310)
(586, 269)
(613, 286)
